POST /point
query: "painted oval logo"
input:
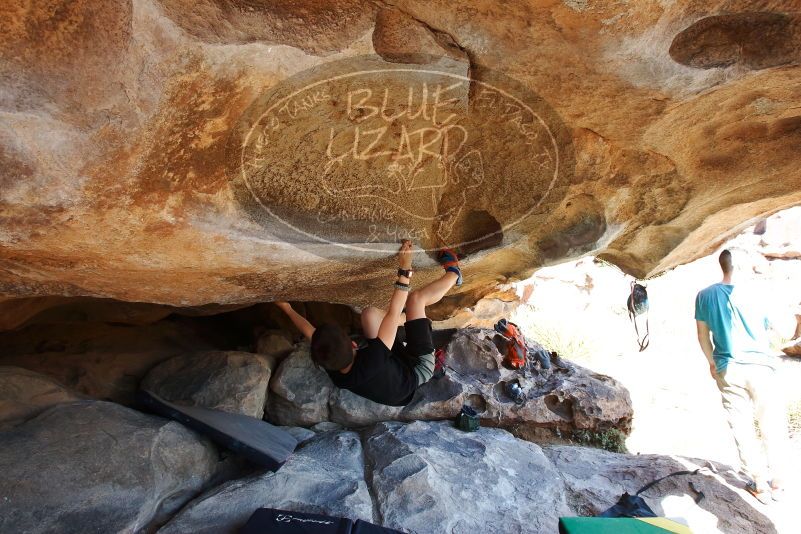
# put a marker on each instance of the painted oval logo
(362, 153)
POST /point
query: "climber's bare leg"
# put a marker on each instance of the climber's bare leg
(371, 321)
(428, 295)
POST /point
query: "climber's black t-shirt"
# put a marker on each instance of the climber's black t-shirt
(379, 374)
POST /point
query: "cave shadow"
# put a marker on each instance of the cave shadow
(106, 355)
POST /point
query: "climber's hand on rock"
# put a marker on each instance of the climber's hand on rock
(297, 319)
(405, 255)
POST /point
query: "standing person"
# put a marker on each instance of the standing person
(384, 371)
(740, 362)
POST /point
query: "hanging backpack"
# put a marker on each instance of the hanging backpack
(516, 351)
(637, 304)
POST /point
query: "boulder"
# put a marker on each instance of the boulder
(325, 426)
(58, 310)
(595, 479)
(565, 398)
(104, 361)
(15, 313)
(274, 343)
(135, 175)
(24, 394)
(299, 391)
(429, 477)
(792, 349)
(779, 241)
(432, 477)
(234, 382)
(302, 435)
(93, 465)
(482, 314)
(324, 476)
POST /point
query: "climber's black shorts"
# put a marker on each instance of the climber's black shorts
(420, 349)
(419, 340)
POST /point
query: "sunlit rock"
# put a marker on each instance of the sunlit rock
(222, 151)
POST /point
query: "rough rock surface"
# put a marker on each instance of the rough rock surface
(429, 477)
(104, 361)
(484, 313)
(126, 169)
(98, 465)
(24, 394)
(792, 349)
(780, 235)
(234, 382)
(274, 343)
(566, 398)
(324, 476)
(432, 476)
(595, 480)
(44, 310)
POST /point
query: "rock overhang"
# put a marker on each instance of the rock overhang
(119, 174)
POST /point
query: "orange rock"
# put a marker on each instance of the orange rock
(793, 349)
(139, 159)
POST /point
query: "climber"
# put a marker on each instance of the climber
(740, 362)
(384, 370)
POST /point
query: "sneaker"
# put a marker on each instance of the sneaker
(759, 494)
(450, 262)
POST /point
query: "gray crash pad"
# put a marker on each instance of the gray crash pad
(254, 439)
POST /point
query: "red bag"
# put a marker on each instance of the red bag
(516, 351)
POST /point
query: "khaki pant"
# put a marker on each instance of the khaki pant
(750, 391)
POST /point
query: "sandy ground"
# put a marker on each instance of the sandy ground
(579, 310)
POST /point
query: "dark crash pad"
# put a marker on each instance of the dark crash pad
(258, 441)
(272, 521)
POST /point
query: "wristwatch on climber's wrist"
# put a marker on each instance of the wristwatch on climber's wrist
(405, 272)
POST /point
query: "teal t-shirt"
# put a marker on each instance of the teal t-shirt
(737, 323)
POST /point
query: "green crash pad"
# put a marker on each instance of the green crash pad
(620, 525)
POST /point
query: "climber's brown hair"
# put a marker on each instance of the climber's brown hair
(331, 347)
